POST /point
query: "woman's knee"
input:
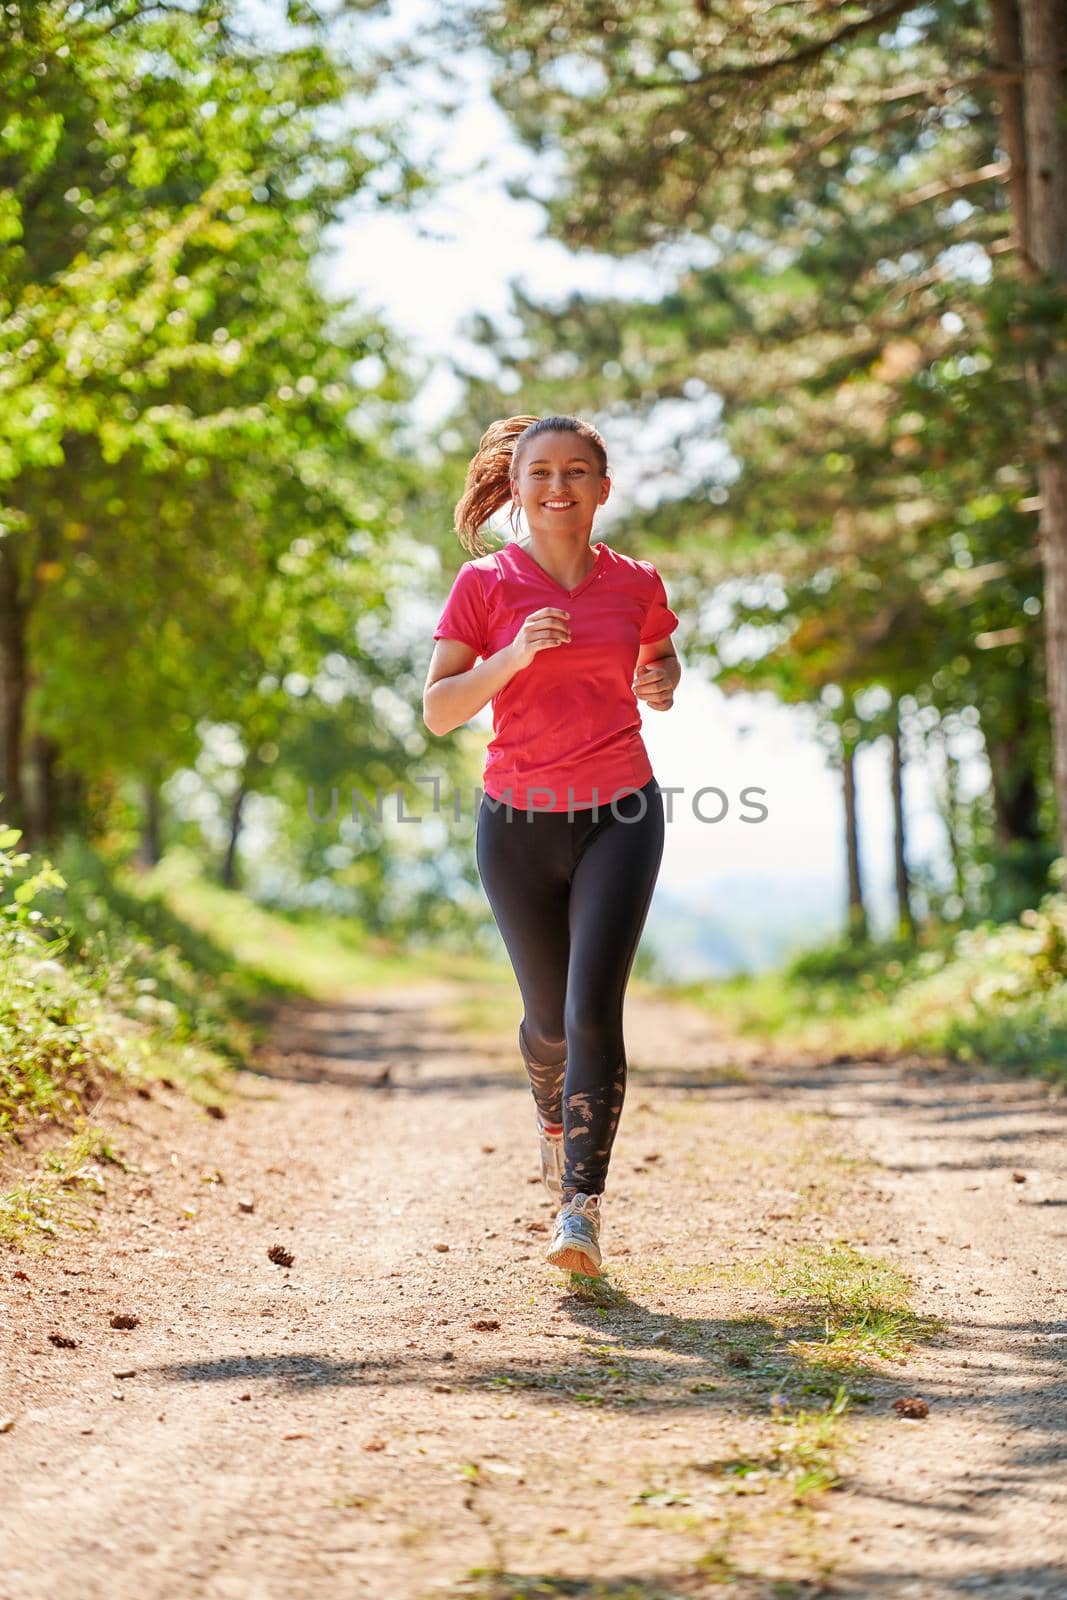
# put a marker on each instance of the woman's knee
(594, 1021)
(543, 1042)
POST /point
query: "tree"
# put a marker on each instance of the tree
(830, 204)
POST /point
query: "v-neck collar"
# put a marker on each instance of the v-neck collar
(570, 593)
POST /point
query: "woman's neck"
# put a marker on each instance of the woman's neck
(568, 559)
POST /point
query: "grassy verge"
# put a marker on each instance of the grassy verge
(993, 994)
(113, 978)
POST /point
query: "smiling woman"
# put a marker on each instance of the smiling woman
(570, 635)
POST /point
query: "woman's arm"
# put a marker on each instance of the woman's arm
(456, 690)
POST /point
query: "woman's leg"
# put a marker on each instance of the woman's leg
(524, 866)
(610, 894)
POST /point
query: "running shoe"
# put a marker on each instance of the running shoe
(576, 1240)
(550, 1136)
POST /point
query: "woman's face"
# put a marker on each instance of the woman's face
(558, 483)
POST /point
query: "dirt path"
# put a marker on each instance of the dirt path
(418, 1407)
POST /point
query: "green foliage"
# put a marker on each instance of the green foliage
(201, 482)
(991, 993)
(839, 311)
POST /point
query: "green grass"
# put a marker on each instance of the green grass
(112, 977)
(993, 994)
(62, 1191)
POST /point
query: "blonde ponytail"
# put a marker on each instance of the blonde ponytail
(488, 484)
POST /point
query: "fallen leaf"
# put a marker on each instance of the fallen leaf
(485, 1325)
(375, 1444)
(61, 1341)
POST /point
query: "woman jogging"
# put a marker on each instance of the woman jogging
(570, 828)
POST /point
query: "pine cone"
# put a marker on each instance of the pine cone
(279, 1254)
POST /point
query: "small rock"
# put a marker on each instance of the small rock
(123, 1319)
(485, 1325)
(244, 1204)
(61, 1341)
(1018, 1177)
(487, 1149)
(6, 1424)
(375, 1444)
(216, 1112)
(125, 1372)
(441, 1246)
(442, 1388)
(117, 1394)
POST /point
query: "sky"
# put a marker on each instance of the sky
(426, 273)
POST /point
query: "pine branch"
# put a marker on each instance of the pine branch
(812, 51)
(964, 180)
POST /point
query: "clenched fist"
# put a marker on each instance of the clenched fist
(652, 684)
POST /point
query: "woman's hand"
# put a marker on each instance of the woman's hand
(654, 684)
(542, 630)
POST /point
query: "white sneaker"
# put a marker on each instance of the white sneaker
(575, 1243)
(551, 1143)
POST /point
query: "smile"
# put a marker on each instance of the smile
(559, 505)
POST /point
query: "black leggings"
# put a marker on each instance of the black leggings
(570, 895)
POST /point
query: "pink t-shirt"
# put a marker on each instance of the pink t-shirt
(566, 727)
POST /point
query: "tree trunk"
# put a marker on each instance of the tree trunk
(950, 816)
(229, 865)
(152, 831)
(857, 915)
(905, 911)
(1016, 802)
(1033, 129)
(12, 687)
(43, 808)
